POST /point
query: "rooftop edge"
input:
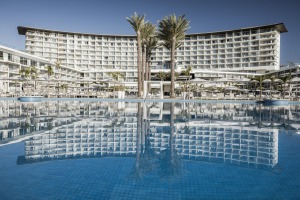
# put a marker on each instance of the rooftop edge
(280, 27)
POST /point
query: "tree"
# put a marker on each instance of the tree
(272, 80)
(64, 87)
(116, 76)
(58, 67)
(29, 73)
(50, 72)
(172, 32)
(162, 75)
(260, 80)
(137, 22)
(147, 32)
(187, 73)
(285, 80)
(151, 45)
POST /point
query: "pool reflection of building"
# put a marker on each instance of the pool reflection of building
(111, 133)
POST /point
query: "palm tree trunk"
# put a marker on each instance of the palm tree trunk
(143, 65)
(139, 63)
(148, 73)
(146, 70)
(172, 94)
(260, 88)
(27, 85)
(271, 88)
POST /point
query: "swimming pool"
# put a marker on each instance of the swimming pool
(148, 150)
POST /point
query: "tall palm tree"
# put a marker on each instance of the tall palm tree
(58, 67)
(137, 22)
(172, 32)
(50, 72)
(147, 32)
(151, 45)
(285, 80)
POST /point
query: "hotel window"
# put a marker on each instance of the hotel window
(23, 61)
(1, 55)
(9, 57)
(33, 63)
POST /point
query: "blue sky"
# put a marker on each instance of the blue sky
(108, 17)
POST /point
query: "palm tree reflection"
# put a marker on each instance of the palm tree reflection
(168, 162)
(169, 159)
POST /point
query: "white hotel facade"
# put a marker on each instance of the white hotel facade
(247, 50)
(238, 53)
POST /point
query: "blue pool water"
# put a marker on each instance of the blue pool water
(152, 150)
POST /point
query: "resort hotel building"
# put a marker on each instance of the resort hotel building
(245, 52)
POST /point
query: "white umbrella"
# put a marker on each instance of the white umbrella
(12, 79)
(198, 80)
(295, 79)
(223, 80)
(87, 79)
(210, 84)
(267, 81)
(232, 88)
(243, 80)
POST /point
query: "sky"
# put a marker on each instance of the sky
(109, 17)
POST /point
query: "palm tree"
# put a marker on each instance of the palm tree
(162, 75)
(147, 32)
(260, 80)
(50, 72)
(172, 32)
(58, 67)
(187, 73)
(151, 45)
(285, 80)
(272, 79)
(116, 76)
(64, 87)
(137, 22)
(28, 73)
